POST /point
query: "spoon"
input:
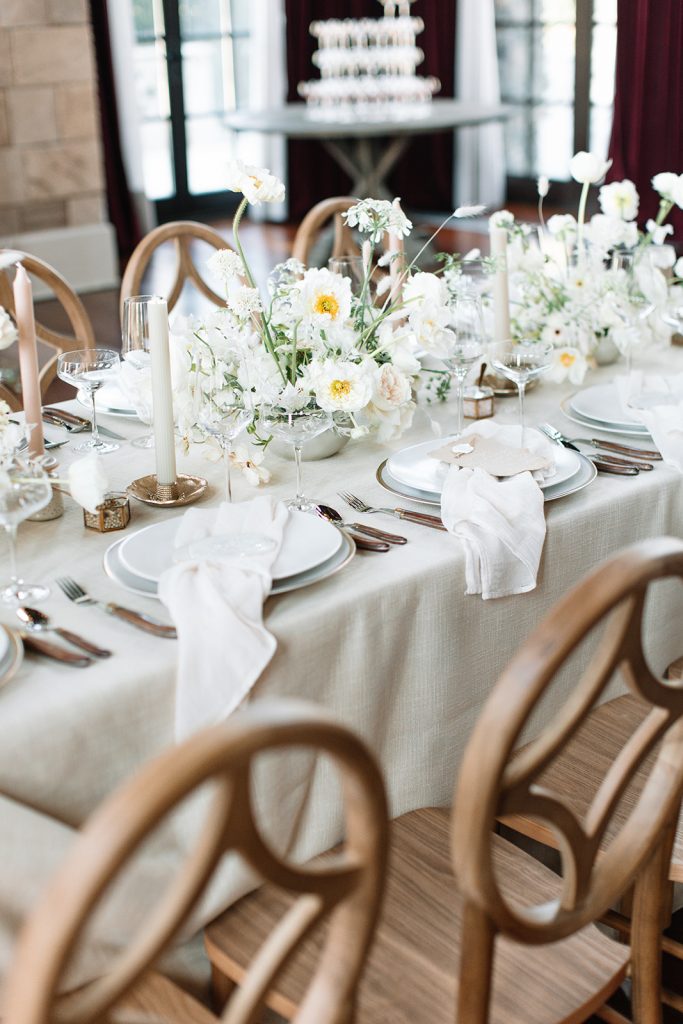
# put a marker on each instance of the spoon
(332, 516)
(37, 622)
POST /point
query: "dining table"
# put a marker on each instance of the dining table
(390, 646)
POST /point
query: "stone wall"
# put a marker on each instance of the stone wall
(51, 172)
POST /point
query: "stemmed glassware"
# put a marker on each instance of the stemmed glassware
(222, 412)
(88, 369)
(521, 362)
(295, 428)
(624, 264)
(463, 343)
(24, 489)
(352, 267)
(136, 371)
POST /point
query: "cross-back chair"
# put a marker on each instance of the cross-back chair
(474, 927)
(182, 234)
(345, 890)
(82, 335)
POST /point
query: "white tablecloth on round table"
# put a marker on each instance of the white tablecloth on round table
(391, 646)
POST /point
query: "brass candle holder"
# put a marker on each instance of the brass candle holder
(113, 514)
(183, 491)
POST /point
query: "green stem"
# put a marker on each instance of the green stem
(665, 208)
(292, 366)
(582, 216)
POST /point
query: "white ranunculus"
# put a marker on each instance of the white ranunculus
(256, 184)
(588, 168)
(666, 184)
(324, 297)
(342, 386)
(678, 268)
(619, 199)
(88, 482)
(8, 332)
(225, 264)
(568, 364)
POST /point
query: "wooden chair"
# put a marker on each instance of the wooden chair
(511, 942)
(345, 890)
(308, 233)
(82, 336)
(182, 233)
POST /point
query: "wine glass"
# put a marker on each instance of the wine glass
(521, 362)
(89, 369)
(352, 267)
(296, 427)
(637, 308)
(136, 371)
(24, 489)
(462, 343)
(221, 411)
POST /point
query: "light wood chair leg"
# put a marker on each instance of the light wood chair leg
(476, 958)
(222, 988)
(646, 935)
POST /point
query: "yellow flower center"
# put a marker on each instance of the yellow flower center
(327, 304)
(567, 359)
(340, 388)
(257, 181)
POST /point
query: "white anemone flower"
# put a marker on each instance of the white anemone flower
(588, 168)
(8, 332)
(256, 184)
(249, 462)
(342, 386)
(555, 330)
(324, 297)
(619, 199)
(568, 364)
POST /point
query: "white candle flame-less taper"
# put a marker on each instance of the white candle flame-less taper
(501, 294)
(162, 392)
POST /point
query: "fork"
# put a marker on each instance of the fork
(76, 594)
(422, 518)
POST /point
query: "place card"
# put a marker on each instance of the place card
(475, 452)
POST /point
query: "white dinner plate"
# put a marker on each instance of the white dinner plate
(117, 571)
(110, 400)
(600, 403)
(415, 467)
(591, 425)
(585, 475)
(308, 541)
(11, 654)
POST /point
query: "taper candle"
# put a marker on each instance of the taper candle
(162, 392)
(28, 360)
(501, 295)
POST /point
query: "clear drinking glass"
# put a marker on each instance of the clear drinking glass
(351, 267)
(463, 342)
(24, 489)
(221, 411)
(624, 265)
(295, 428)
(521, 362)
(87, 370)
(136, 371)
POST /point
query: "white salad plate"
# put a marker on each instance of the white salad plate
(308, 541)
(635, 430)
(110, 401)
(600, 404)
(11, 654)
(117, 571)
(416, 468)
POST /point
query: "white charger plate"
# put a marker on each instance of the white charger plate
(600, 403)
(11, 654)
(585, 475)
(592, 425)
(117, 571)
(415, 467)
(308, 541)
(109, 400)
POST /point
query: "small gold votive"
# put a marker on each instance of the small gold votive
(478, 403)
(112, 514)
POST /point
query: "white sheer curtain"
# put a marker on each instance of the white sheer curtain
(480, 152)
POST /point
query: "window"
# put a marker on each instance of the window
(557, 61)
(191, 68)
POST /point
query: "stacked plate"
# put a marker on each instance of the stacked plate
(312, 549)
(599, 408)
(414, 473)
(110, 400)
(11, 654)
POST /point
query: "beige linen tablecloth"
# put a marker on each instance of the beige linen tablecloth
(391, 646)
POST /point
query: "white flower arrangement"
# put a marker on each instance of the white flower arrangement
(8, 332)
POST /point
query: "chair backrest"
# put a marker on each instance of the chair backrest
(182, 233)
(82, 336)
(494, 784)
(329, 210)
(346, 887)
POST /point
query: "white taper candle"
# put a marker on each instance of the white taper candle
(162, 392)
(501, 294)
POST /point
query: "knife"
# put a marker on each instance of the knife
(624, 449)
(53, 651)
(420, 517)
(62, 419)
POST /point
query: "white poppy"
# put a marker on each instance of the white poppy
(256, 184)
(619, 199)
(568, 364)
(324, 297)
(588, 168)
(342, 386)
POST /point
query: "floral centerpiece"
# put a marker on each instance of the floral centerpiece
(585, 286)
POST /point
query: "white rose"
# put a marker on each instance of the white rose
(619, 199)
(588, 169)
(391, 388)
(88, 482)
(8, 332)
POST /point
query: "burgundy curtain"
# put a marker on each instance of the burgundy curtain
(424, 175)
(648, 110)
(122, 212)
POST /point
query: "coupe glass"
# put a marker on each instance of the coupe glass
(221, 411)
(88, 369)
(136, 372)
(295, 428)
(463, 344)
(521, 362)
(24, 490)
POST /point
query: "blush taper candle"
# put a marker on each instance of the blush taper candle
(28, 360)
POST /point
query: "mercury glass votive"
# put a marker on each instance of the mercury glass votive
(112, 514)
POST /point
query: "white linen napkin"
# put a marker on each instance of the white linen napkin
(663, 419)
(217, 607)
(501, 522)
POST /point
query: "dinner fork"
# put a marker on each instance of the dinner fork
(422, 518)
(76, 594)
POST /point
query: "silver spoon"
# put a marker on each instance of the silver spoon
(331, 514)
(38, 622)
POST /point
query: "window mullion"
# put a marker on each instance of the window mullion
(582, 74)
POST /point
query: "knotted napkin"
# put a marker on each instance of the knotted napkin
(501, 522)
(656, 402)
(217, 606)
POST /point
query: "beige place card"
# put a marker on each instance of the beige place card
(476, 452)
